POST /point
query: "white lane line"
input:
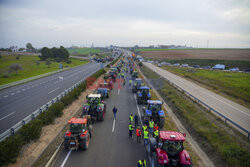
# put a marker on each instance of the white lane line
(5, 96)
(28, 88)
(12, 94)
(18, 91)
(6, 116)
(23, 89)
(118, 91)
(113, 128)
(66, 158)
(138, 110)
(53, 90)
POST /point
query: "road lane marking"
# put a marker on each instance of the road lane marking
(53, 90)
(66, 158)
(6, 116)
(138, 110)
(12, 94)
(113, 128)
(118, 91)
(5, 96)
(23, 89)
(18, 91)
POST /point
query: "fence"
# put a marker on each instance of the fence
(226, 119)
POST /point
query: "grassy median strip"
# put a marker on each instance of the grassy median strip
(209, 130)
(234, 84)
(31, 66)
(11, 146)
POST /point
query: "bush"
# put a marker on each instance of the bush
(10, 148)
(31, 130)
(57, 109)
(66, 100)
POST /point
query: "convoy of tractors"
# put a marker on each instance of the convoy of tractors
(165, 150)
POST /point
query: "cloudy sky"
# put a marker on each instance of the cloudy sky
(221, 23)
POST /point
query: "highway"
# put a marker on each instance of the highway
(110, 145)
(19, 101)
(232, 110)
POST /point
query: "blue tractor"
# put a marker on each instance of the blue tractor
(155, 112)
(143, 95)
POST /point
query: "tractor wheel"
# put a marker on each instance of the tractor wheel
(85, 143)
(65, 143)
(154, 160)
(101, 116)
(161, 122)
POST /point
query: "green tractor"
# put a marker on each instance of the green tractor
(94, 107)
(134, 75)
(137, 83)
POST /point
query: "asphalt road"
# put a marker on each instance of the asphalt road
(110, 145)
(20, 101)
(232, 110)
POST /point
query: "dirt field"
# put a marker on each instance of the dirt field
(216, 54)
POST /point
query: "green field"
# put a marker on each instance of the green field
(83, 51)
(234, 84)
(30, 68)
(225, 145)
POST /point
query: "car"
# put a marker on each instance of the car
(196, 66)
(168, 150)
(176, 64)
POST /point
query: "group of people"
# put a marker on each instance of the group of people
(151, 129)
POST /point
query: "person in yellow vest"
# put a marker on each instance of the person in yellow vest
(145, 135)
(130, 82)
(141, 163)
(151, 126)
(144, 127)
(131, 118)
(131, 129)
(156, 134)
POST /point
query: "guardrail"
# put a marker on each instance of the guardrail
(226, 119)
(32, 116)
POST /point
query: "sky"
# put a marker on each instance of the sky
(197, 23)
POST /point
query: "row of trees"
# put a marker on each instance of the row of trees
(57, 54)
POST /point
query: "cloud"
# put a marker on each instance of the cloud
(225, 23)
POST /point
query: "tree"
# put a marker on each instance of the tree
(140, 64)
(45, 53)
(48, 62)
(21, 49)
(15, 67)
(29, 47)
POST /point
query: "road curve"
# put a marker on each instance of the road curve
(19, 101)
(230, 109)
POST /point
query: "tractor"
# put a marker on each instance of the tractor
(94, 107)
(104, 92)
(112, 75)
(134, 75)
(79, 133)
(168, 150)
(143, 95)
(109, 85)
(136, 85)
(155, 112)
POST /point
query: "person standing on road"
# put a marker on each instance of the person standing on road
(138, 134)
(141, 163)
(145, 135)
(114, 111)
(136, 120)
(131, 118)
(151, 126)
(131, 129)
(130, 82)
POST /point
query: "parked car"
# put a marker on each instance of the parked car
(219, 67)
(196, 66)
(207, 67)
(176, 64)
(159, 65)
(234, 69)
(184, 65)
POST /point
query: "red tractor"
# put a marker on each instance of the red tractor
(167, 150)
(79, 133)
